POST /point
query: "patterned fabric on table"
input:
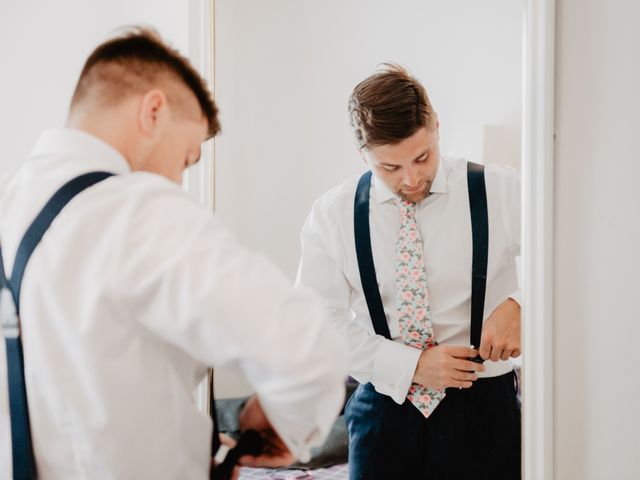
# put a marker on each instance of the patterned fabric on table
(414, 313)
(337, 472)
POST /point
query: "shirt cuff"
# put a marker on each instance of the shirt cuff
(393, 369)
(517, 296)
(301, 436)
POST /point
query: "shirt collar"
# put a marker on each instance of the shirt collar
(439, 185)
(96, 153)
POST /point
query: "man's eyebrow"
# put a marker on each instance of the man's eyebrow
(422, 154)
(384, 164)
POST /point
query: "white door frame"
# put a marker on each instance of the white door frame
(199, 180)
(537, 231)
(537, 236)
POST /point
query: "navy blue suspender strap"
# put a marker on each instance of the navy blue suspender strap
(364, 255)
(21, 448)
(480, 235)
(24, 467)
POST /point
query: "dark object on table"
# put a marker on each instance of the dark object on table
(249, 443)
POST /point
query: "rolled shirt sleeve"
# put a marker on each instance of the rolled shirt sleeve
(393, 369)
(517, 296)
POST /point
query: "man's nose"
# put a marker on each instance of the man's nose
(411, 177)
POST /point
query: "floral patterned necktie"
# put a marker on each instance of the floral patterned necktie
(414, 313)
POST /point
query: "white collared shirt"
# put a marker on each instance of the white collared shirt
(135, 289)
(329, 265)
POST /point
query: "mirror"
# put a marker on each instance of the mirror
(284, 71)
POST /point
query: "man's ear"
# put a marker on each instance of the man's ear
(152, 113)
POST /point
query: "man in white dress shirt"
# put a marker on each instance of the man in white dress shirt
(465, 423)
(135, 290)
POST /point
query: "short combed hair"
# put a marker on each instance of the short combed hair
(388, 107)
(135, 61)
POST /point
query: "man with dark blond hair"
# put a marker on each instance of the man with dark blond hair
(113, 315)
(416, 258)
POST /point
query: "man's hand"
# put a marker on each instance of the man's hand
(501, 332)
(275, 452)
(445, 366)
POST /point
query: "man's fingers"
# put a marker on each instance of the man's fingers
(468, 366)
(461, 352)
(464, 376)
(485, 347)
(496, 352)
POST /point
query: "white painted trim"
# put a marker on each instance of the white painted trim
(199, 180)
(537, 245)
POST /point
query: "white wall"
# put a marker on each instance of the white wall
(597, 227)
(43, 45)
(284, 72)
